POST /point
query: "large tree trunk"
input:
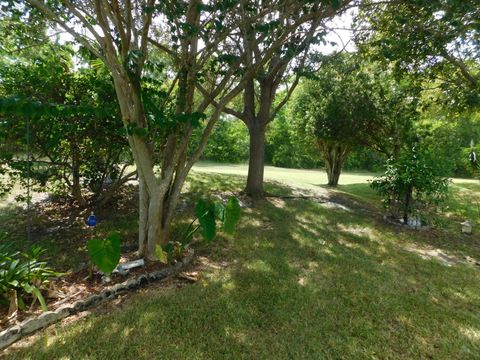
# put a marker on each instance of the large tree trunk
(333, 173)
(142, 216)
(158, 195)
(257, 125)
(152, 191)
(256, 162)
(335, 156)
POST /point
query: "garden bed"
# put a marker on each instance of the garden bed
(79, 291)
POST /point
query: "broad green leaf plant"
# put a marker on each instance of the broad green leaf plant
(105, 253)
(209, 214)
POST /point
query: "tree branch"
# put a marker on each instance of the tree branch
(55, 18)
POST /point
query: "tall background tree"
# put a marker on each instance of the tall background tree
(260, 104)
(350, 104)
(338, 110)
(437, 44)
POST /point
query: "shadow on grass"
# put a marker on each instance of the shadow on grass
(200, 184)
(303, 282)
(446, 235)
(360, 191)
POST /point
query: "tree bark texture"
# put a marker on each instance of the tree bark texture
(335, 155)
(254, 187)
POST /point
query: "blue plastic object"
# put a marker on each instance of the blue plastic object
(92, 220)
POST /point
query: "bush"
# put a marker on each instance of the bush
(75, 143)
(228, 143)
(23, 273)
(287, 147)
(411, 184)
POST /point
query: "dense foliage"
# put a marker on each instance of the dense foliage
(437, 41)
(21, 274)
(351, 103)
(412, 184)
(228, 143)
(49, 126)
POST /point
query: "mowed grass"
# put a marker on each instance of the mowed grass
(299, 281)
(293, 177)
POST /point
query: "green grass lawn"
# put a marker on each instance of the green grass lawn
(309, 179)
(300, 280)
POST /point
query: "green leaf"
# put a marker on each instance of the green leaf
(105, 253)
(162, 256)
(200, 208)
(34, 290)
(206, 217)
(336, 4)
(219, 211)
(21, 303)
(232, 215)
(168, 248)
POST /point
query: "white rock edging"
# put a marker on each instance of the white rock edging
(33, 324)
(406, 226)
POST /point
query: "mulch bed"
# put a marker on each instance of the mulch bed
(75, 286)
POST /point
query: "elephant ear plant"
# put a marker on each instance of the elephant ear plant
(23, 273)
(210, 218)
(105, 253)
(209, 213)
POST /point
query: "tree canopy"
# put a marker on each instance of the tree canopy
(437, 40)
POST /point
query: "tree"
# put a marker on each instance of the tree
(338, 108)
(354, 103)
(397, 101)
(435, 40)
(284, 68)
(201, 42)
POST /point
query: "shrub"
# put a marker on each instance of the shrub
(23, 273)
(411, 184)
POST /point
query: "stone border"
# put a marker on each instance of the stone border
(406, 226)
(33, 324)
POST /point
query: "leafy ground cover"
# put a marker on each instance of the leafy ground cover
(303, 278)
